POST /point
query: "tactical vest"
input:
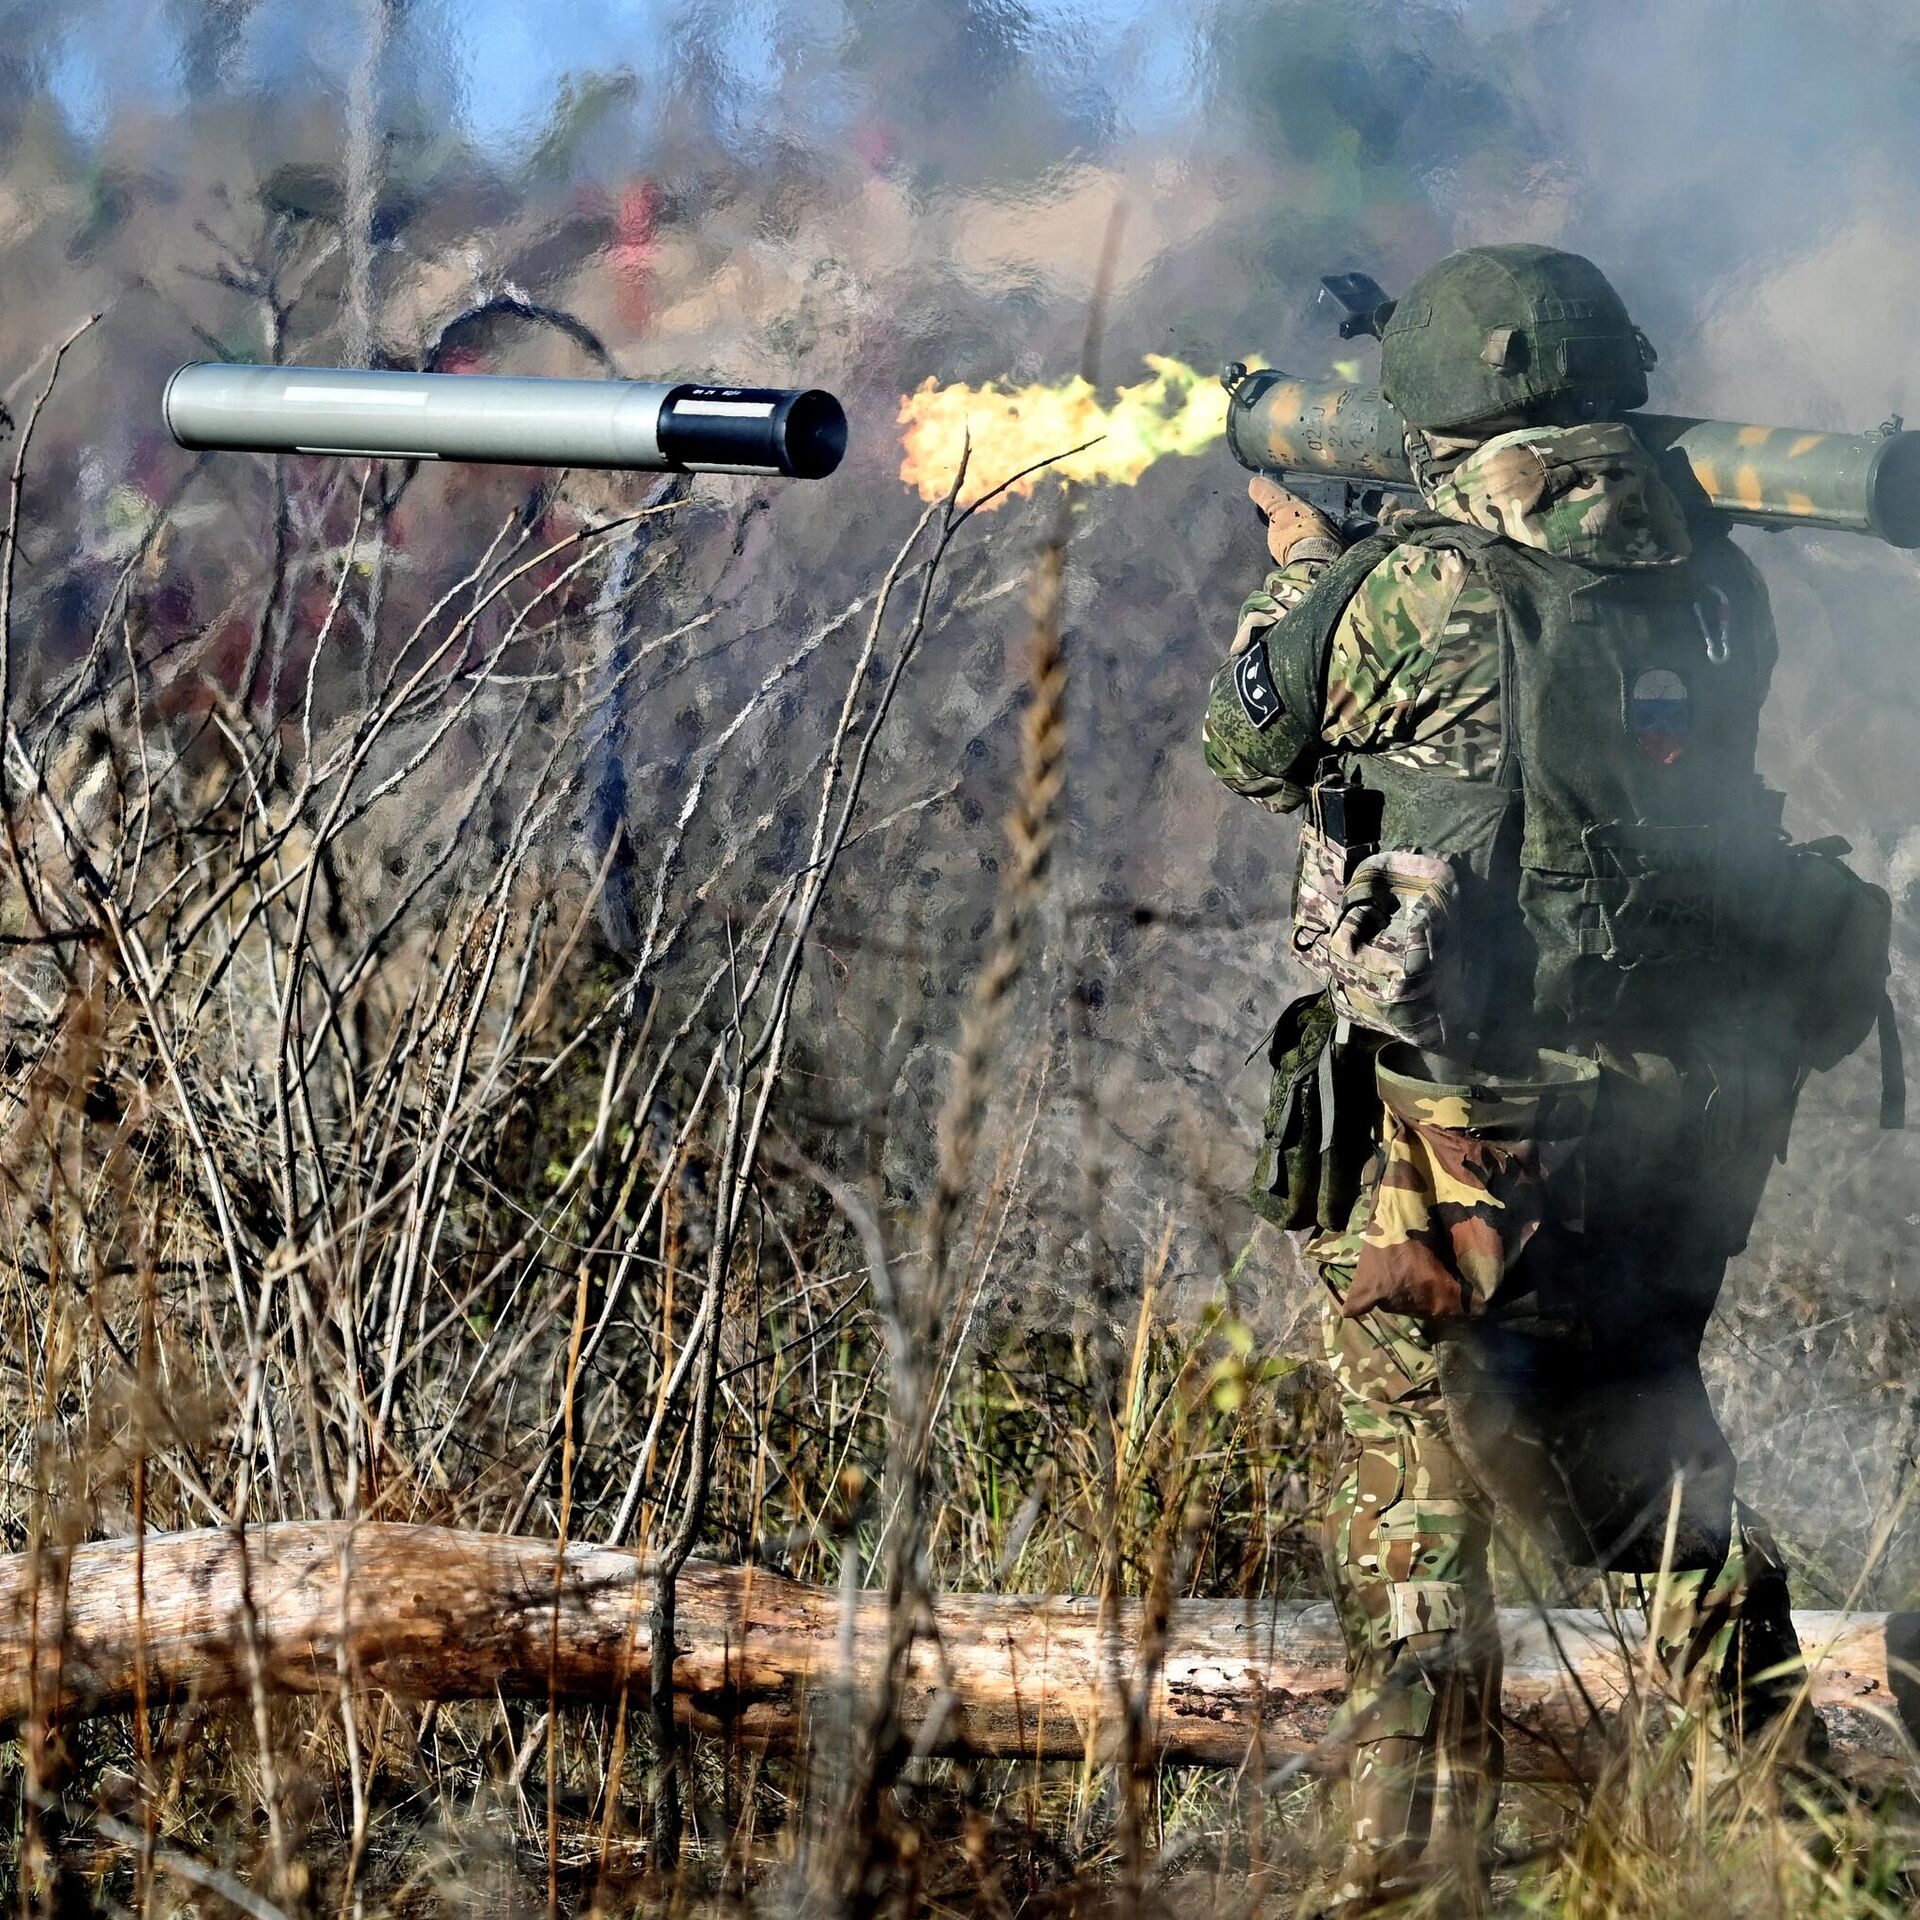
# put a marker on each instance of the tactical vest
(1622, 887)
(1612, 864)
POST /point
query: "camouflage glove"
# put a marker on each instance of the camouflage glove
(1291, 523)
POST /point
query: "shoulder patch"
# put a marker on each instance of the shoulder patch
(1253, 682)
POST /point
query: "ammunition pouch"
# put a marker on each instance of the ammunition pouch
(1393, 960)
(1319, 888)
(1321, 1119)
(1380, 926)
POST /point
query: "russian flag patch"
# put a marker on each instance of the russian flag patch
(1660, 715)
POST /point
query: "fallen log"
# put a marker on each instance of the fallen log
(431, 1613)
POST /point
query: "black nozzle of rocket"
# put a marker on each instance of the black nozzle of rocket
(754, 430)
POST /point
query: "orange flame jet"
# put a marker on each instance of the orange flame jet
(1178, 410)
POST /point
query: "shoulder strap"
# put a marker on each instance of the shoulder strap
(1502, 564)
(1315, 618)
(1502, 567)
(1893, 1069)
(1437, 530)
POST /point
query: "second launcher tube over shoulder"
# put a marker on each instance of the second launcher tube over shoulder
(1763, 476)
(639, 426)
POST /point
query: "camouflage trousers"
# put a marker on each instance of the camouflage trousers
(1407, 1535)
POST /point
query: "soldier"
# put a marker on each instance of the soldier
(1572, 977)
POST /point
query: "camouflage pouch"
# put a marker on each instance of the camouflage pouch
(1391, 952)
(1319, 886)
(1473, 1167)
(1319, 1133)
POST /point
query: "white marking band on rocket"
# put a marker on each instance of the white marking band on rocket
(734, 409)
(354, 397)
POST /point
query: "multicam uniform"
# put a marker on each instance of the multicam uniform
(1413, 676)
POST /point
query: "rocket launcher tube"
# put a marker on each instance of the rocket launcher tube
(632, 425)
(1783, 477)
(1762, 476)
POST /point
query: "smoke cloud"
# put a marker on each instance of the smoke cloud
(875, 194)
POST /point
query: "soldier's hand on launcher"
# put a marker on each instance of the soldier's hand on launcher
(1287, 518)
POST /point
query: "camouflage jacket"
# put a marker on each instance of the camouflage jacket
(1413, 671)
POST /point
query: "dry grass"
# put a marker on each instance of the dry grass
(348, 1170)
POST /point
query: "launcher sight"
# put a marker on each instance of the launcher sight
(1364, 306)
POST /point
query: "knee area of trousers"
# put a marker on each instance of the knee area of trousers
(1391, 1723)
(1398, 1687)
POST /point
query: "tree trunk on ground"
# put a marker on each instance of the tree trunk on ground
(431, 1613)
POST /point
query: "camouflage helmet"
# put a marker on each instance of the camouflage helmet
(1515, 333)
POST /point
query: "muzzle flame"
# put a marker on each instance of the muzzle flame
(1177, 411)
